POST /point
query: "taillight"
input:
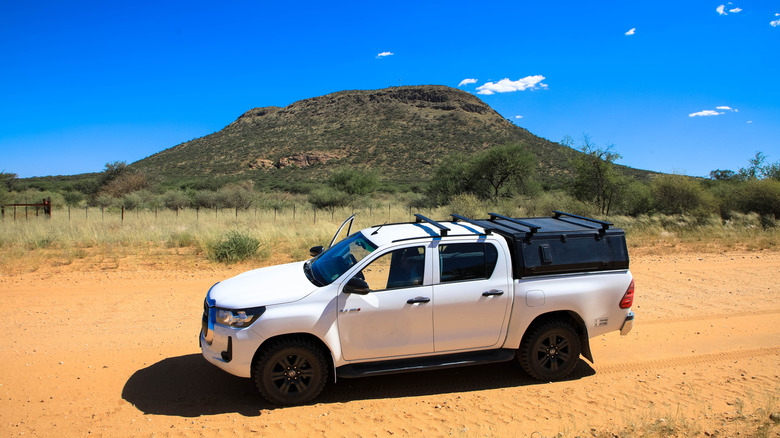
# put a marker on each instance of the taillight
(628, 297)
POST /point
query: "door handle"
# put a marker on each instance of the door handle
(416, 300)
(492, 292)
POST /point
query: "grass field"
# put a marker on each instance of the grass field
(165, 237)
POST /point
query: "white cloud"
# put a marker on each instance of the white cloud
(775, 23)
(727, 108)
(518, 117)
(384, 54)
(705, 113)
(632, 31)
(750, 121)
(507, 86)
(467, 82)
(735, 10)
(721, 9)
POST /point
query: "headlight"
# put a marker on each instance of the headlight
(238, 318)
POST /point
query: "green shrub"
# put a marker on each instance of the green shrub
(234, 247)
(679, 194)
(468, 205)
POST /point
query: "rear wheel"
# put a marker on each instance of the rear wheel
(291, 372)
(550, 350)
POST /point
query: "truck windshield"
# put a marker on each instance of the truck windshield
(336, 260)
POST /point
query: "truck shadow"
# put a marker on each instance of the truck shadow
(188, 386)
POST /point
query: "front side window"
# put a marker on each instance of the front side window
(466, 261)
(396, 269)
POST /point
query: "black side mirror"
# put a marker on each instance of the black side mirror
(314, 251)
(356, 286)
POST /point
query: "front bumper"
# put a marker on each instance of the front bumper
(628, 324)
(231, 349)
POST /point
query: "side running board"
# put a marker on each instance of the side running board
(424, 363)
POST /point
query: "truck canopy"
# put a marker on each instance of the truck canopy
(563, 243)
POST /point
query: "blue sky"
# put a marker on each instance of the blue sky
(683, 87)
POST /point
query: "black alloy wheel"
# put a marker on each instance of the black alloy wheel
(290, 372)
(550, 350)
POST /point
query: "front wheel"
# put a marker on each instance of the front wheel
(291, 372)
(550, 351)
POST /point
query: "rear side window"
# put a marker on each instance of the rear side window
(467, 261)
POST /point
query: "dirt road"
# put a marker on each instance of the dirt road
(114, 352)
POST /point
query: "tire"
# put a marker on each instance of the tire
(290, 372)
(550, 350)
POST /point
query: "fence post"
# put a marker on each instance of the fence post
(123, 214)
(315, 214)
(293, 211)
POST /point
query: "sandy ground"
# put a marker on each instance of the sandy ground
(114, 352)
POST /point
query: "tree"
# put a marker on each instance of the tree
(204, 199)
(175, 200)
(6, 185)
(126, 183)
(723, 175)
(596, 178)
(492, 173)
(237, 196)
(502, 166)
(449, 178)
(7, 180)
(112, 171)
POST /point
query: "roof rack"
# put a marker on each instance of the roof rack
(532, 227)
(458, 217)
(604, 225)
(421, 218)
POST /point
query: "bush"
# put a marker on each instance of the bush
(327, 197)
(234, 247)
(762, 197)
(679, 194)
(468, 205)
(354, 181)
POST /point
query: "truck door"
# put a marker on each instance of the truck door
(472, 296)
(395, 317)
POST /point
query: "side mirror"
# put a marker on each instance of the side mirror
(356, 286)
(314, 251)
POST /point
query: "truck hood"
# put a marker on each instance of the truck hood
(262, 287)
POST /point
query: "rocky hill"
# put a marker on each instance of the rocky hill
(400, 132)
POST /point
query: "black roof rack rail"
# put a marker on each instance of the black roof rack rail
(604, 225)
(532, 227)
(421, 218)
(458, 217)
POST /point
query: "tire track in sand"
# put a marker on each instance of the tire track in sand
(688, 360)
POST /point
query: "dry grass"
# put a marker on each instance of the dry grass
(165, 239)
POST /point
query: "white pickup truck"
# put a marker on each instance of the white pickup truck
(411, 296)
